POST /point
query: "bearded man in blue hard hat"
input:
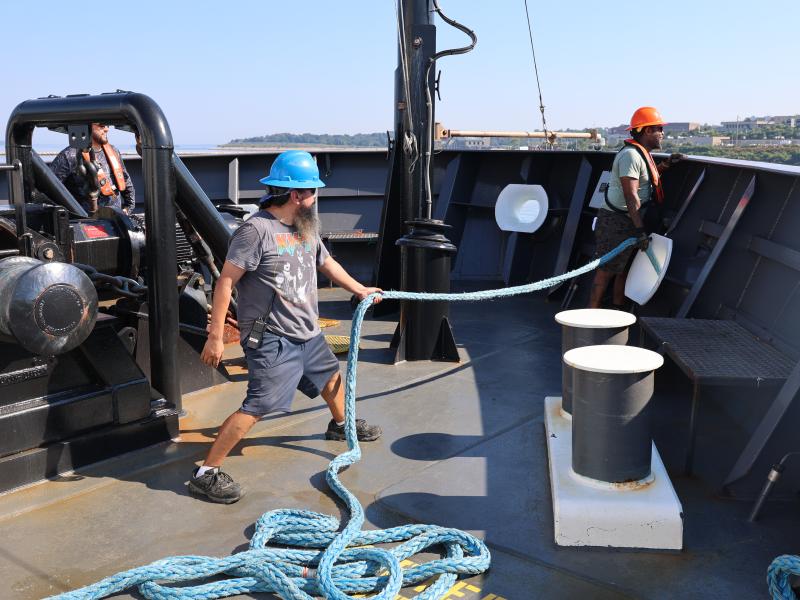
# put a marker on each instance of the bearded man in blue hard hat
(273, 260)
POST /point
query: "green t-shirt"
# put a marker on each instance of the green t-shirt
(628, 163)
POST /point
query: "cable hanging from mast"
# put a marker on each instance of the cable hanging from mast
(410, 145)
(429, 100)
(550, 138)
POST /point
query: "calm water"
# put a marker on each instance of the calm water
(50, 150)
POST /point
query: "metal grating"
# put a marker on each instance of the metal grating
(183, 249)
(710, 349)
(355, 235)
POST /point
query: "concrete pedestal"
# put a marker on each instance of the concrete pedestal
(587, 512)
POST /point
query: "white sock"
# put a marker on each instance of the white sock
(340, 424)
(203, 469)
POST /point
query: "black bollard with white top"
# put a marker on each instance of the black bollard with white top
(611, 426)
(588, 327)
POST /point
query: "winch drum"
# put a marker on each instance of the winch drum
(48, 308)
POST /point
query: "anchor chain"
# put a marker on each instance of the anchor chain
(124, 286)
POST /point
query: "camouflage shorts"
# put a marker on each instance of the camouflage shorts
(611, 230)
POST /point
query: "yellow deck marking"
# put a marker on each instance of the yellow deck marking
(454, 591)
(338, 343)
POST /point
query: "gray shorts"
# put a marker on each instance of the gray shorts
(280, 366)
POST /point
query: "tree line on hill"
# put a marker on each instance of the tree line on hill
(360, 140)
(789, 155)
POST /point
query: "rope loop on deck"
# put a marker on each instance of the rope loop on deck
(342, 562)
(778, 574)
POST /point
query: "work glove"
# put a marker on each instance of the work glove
(674, 158)
(642, 239)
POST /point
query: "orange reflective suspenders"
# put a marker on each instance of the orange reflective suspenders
(103, 182)
(655, 176)
(116, 166)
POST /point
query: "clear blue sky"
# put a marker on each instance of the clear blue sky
(221, 70)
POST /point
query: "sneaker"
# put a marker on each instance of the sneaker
(215, 486)
(365, 433)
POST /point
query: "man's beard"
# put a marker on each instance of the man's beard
(307, 223)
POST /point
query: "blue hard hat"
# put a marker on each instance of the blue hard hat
(294, 169)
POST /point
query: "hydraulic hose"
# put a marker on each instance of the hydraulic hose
(429, 100)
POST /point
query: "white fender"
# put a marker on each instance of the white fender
(521, 208)
(644, 278)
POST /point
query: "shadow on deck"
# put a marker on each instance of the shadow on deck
(463, 446)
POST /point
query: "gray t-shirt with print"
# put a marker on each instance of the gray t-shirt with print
(280, 278)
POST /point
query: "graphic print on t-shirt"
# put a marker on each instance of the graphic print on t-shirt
(296, 270)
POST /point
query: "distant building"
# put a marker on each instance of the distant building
(787, 120)
(465, 143)
(681, 127)
(614, 139)
(762, 143)
(752, 123)
(702, 140)
(477, 143)
(748, 124)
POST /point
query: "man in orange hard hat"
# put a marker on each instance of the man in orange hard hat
(633, 190)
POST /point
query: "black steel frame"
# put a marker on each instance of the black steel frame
(141, 112)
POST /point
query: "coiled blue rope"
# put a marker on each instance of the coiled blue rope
(778, 574)
(324, 562)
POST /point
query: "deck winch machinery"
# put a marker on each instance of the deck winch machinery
(48, 301)
(102, 315)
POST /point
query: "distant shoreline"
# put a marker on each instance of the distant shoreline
(281, 146)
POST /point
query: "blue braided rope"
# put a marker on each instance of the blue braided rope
(778, 574)
(328, 562)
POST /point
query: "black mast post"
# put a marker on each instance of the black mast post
(423, 332)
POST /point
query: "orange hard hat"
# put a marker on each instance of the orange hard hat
(646, 116)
